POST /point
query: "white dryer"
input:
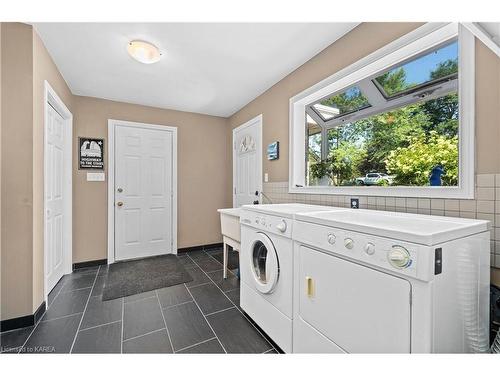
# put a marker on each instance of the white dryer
(383, 282)
(266, 267)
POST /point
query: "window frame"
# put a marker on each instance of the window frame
(409, 46)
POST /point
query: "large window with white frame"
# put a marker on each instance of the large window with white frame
(399, 122)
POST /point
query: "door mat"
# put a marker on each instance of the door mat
(142, 275)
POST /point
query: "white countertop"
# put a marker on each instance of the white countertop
(289, 209)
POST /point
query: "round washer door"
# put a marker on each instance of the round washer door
(264, 263)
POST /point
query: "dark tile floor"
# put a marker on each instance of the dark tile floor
(201, 316)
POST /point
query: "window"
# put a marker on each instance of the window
(391, 127)
(434, 67)
(346, 102)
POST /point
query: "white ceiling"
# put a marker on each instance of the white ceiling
(206, 68)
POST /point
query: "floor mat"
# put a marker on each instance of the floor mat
(137, 276)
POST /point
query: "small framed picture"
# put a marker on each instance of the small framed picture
(273, 151)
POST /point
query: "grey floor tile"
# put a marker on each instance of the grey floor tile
(103, 270)
(103, 339)
(186, 325)
(197, 254)
(187, 262)
(234, 296)
(93, 270)
(208, 264)
(53, 293)
(216, 250)
(67, 304)
(142, 317)
(210, 298)
(173, 295)
(98, 286)
(198, 276)
(14, 339)
(101, 312)
(55, 336)
(272, 351)
(207, 347)
(231, 282)
(139, 296)
(79, 281)
(236, 333)
(155, 342)
(233, 259)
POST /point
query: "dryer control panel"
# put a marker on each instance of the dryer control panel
(396, 256)
(268, 223)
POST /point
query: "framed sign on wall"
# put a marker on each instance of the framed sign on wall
(91, 153)
(273, 151)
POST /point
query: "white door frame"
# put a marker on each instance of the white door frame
(258, 120)
(112, 124)
(52, 99)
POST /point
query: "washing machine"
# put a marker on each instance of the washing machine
(384, 282)
(266, 267)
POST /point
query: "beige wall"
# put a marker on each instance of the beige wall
(17, 170)
(202, 152)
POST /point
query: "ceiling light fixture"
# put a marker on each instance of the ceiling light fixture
(144, 52)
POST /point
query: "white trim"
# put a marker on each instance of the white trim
(112, 124)
(483, 36)
(51, 98)
(412, 44)
(256, 120)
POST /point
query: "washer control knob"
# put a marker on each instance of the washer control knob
(257, 221)
(281, 226)
(349, 243)
(370, 248)
(263, 221)
(331, 238)
(399, 257)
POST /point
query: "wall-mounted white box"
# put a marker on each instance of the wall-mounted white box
(95, 176)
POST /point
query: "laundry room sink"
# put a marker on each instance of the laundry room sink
(230, 223)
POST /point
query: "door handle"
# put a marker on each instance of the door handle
(119, 204)
(309, 287)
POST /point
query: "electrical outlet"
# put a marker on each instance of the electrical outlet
(354, 203)
(266, 177)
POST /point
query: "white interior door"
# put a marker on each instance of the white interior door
(247, 162)
(143, 192)
(54, 198)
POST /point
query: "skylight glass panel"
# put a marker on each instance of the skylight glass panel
(351, 100)
(438, 65)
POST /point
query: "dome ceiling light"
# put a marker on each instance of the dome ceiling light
(144, 52)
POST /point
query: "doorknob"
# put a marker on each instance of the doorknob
(119, 204)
